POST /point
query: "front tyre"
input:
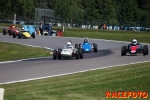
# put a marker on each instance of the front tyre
(95, 47)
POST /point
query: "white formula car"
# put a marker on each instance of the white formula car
(67, 52)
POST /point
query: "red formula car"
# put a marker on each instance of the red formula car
(134, 49)
(11, 30)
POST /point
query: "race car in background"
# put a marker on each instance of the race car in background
(12, 29)
(86, 46)
(134, 49)
(67, 52)
(24, 34)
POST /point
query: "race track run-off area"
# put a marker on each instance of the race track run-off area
(108, 55)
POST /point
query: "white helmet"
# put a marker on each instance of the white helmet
(134, 41)
(23, 28)
(68, 43)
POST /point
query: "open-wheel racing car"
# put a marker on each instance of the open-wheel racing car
(12, 29)
(86, 46)
(24, 34)
(134, 49)
(67, 52)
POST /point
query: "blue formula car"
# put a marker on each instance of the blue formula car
(86, 46)
(29, 28)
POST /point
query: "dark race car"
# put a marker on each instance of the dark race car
(134, 49)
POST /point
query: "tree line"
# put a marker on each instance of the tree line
(111, 12)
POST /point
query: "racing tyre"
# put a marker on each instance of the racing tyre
(55, 54)
(77, 54)
(146, 47)
(59, 53)
(10, 32)
(76, 46)
(81, 53)
(123, 51)
(33, 35)
(19, 36)
(95, 47)
(4, 31)
(144, 50)
(80, 46)
(14, 35)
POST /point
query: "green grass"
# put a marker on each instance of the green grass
(109, 35)
(90, 85)
(1, 30)
(10, 51)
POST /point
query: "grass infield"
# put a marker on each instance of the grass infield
(90, 85)
(10, 51)
(141, 36)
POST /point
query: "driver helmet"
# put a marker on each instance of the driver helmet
(85, 40)
(134, 41)
(13, 26)
(23, 29)
(68, 43)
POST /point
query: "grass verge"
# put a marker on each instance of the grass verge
(10, 51)
(90, 85)
(143, 37)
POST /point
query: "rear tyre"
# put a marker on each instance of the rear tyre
(146, 47)
(95, 47)
(125, 50)
(144, 50)
(54, 54)
(122, 51)
(4, 31)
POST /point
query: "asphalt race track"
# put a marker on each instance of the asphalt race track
(108, 55)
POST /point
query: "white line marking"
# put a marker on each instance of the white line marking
(12, 61)
(71, 73)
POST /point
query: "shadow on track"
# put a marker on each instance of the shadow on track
(91, 54)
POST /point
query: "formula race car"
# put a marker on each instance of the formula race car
(134, 49)
(23, 34)
(86, 46)
(67, 52)
(12, 29)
